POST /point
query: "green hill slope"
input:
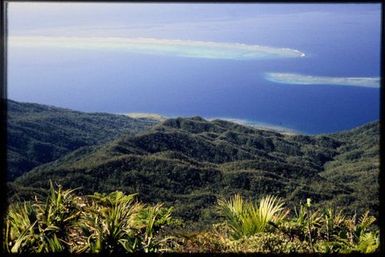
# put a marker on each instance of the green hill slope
(190, 162)
(357, 166)
(39, 134)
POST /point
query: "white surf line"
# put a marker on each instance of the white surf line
(300, 79)
(173, 47)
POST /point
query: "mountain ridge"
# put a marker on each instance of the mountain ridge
(191, 162)
(38, 134)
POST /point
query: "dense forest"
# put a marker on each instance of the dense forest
(39, 134)
(190, 164)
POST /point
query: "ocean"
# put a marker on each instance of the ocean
(336, 43)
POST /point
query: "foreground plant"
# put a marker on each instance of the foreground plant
(107, 223)
(42, 227)
(245, 218)
(150, 220)
(330, 231)
(359, 235)
(267, 227)
(117, 223)
(100, 223)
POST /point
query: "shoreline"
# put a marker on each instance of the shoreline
(260, 125)
(244, 122)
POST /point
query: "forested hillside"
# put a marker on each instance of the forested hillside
(189, 163)
(357, 166)
(39, 134)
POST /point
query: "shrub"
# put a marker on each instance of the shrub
(100, 223)
(38, 227)
(245, 218)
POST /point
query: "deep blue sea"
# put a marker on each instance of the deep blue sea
(339, 43)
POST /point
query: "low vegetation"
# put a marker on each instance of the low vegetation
(98, 223)
(118, 223)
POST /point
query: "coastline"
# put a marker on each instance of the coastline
(244, 122)
(260, 125)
